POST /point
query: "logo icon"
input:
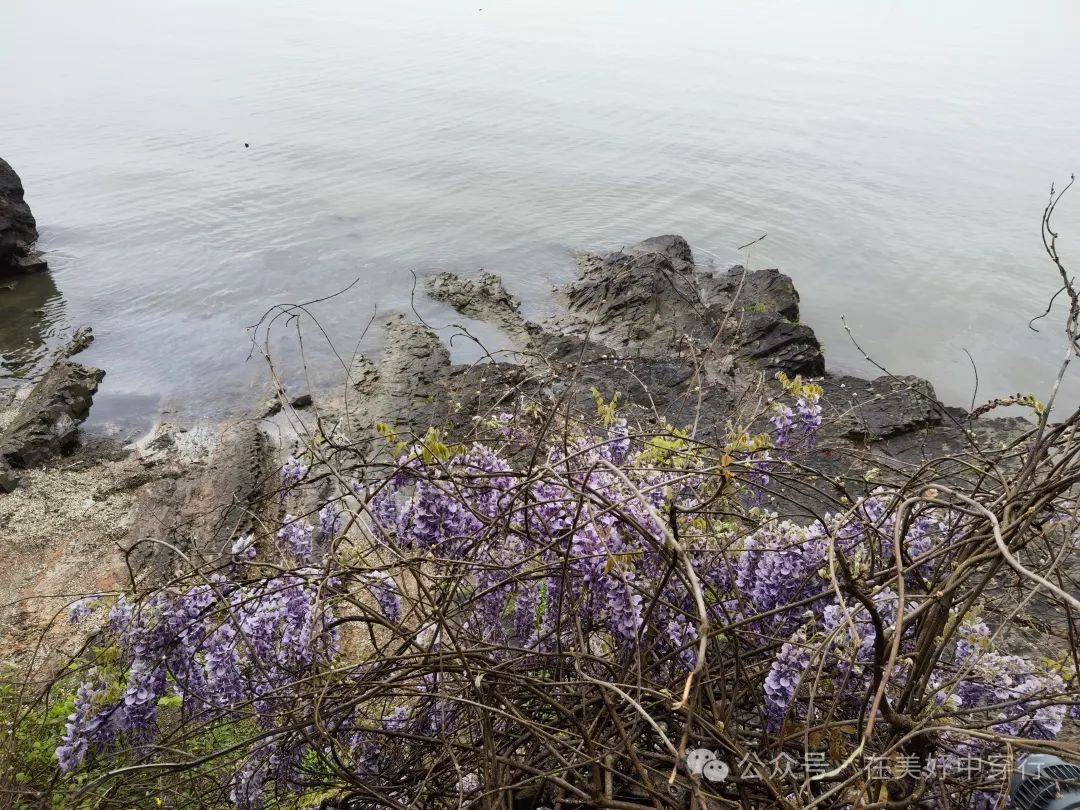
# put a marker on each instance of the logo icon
(703, 762)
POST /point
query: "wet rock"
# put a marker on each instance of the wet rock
(955, 435)
(651, 297)
(485, 299)
(775, 344)
(758, 313)
(766, 290)
(405, 389)
(47, 422)
(18, 230)
(271, 407)
(79, 342)
(644, 322)
(33, 261)
(671, 247)
(882, 408)
(678, 345)
(642, 296)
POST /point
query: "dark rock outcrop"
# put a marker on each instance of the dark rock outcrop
(776, 344)
(46, 423)
(883, 408)
(679, 345)
(643, 323)
(18, 229)
(485, 299)
(652, 297)
(407, 389)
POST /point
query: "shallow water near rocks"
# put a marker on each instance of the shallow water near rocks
(192, 166)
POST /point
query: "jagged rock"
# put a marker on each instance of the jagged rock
(652, 298)
(759, 313)
(363, 374)
(46, 418)
(631, 316)
(32, 261)
(18, 230)
(405, 389)
(79, 342)
(643, 296)
(485, 299)
(883, 408)
(677, 344)
(775, 344)
(47, 422)
(769, 290)
(675, 248)
(643, 322)
(201, 511)
(649, 299)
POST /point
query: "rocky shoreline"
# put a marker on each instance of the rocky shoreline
(681, 346)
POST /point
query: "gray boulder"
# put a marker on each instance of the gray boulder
(18, 229)
(652, 298)
(47, 421)
(883, 408)
(642, 296)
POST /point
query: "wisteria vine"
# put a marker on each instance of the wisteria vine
(474, 602)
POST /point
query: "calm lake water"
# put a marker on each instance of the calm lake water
(897, 154)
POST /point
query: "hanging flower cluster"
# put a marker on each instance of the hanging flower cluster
(607, 552)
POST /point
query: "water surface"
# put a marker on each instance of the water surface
(897, 154)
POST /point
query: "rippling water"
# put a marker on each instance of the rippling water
(897, 154)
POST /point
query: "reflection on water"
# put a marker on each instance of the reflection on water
(30, 310)
(33, 325)
(898, 155)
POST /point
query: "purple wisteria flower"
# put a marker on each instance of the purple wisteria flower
(243, 550)
(82, 608)
(797, 427)
(536, 571)
(783, 680)
(89, 725)
(386, 593)
(331, 520)
(218, 645)
(292, 473)
(298, 538)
